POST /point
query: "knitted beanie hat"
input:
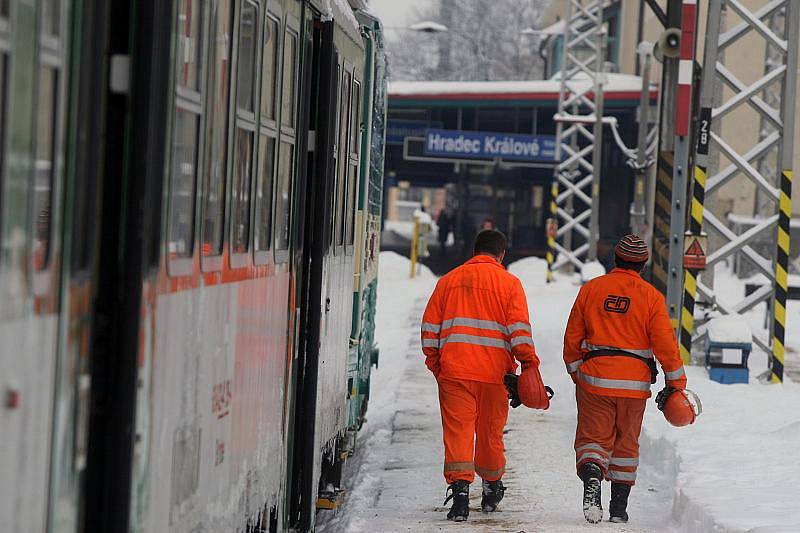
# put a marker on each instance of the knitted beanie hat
(632, 248)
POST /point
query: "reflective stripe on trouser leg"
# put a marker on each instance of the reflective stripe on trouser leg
(628, 478)
(623, 469)
(490, 458)
(625, 457)
(458, 404)
(595, 433)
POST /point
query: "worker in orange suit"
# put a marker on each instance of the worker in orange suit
(618, 327)
(475, 325)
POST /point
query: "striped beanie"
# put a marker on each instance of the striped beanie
(631, 248)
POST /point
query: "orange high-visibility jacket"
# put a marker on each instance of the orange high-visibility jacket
(476, 323)
(621, 311)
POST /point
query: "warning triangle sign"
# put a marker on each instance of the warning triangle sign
(695, 249)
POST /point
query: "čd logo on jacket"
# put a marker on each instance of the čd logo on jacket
(616, 304)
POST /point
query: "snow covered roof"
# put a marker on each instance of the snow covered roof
(729, 328)
(341, 11)
(617, 83)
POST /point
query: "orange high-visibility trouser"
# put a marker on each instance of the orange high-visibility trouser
(473, 417)
(608, 434)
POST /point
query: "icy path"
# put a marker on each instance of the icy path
(396, 483)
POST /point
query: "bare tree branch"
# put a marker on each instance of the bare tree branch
(484, 41)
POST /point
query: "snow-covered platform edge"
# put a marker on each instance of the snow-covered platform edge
(689, 516)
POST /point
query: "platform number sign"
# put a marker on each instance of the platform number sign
(705, 131)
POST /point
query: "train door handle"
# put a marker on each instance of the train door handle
(327, 305)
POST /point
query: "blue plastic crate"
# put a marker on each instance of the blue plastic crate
(729, 374)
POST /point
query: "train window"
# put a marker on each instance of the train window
(289, 74)
(190, 14)
(350, 222)
(247, 57)
(4, 5)
(341, 170)
(268, 63)
(282, 202)
(216, 160)
(240, 224)
(2, 124)
(183, 181)
(355, 118)
(333, 204)
(51, 17)
(45, 165)
(266, 158)
(352, 163)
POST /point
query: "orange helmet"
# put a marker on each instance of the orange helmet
(681, 407)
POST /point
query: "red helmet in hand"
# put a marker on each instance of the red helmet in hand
(680, 407)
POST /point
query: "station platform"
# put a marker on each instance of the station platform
(396, 481)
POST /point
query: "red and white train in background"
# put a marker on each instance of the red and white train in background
(190, 197)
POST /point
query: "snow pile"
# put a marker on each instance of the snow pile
(591, 270)
(729, 328)
(393, 275)
(734, 468)
(531, 271)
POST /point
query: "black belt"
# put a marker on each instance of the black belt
(649, 361)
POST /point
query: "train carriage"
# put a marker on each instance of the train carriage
(190, 204)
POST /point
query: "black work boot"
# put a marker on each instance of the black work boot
(458, 491)
(492, 494)
(619, 502)
(591, 475)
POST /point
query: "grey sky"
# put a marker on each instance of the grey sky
(395, 12)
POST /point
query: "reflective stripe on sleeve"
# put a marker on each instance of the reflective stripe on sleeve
(624, 461)
(615, 475)
(433, 328)
(573, 366)
(522, 339)
(675, 374)
(477, 340)
(430, 343)
(519, 326)
(647, 354)
(625, 384)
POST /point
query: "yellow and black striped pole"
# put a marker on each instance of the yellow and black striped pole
(781, 277)
(695, 229)
(552, 230)
(690, 275)
(661, 216)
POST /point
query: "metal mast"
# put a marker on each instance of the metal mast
(574, 210)
(773, 184)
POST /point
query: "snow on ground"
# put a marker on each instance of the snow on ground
(725, 473)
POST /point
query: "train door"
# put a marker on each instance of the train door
(33, 74)
(317, 235)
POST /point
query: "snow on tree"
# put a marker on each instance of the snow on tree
(469, 40)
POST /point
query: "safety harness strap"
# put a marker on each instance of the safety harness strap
(651, 364)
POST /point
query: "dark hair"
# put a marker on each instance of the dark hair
(490, 241)
(629, 265)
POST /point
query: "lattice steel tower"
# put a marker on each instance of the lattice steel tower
(576, 182)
